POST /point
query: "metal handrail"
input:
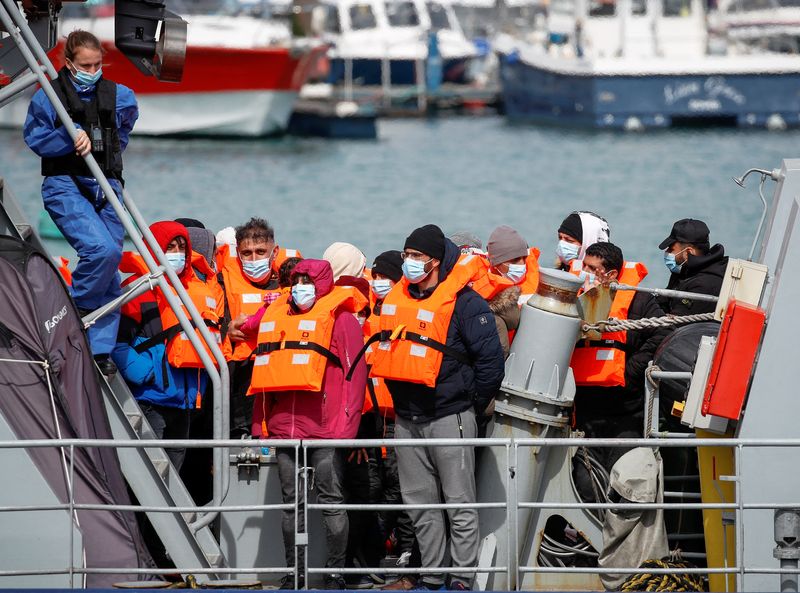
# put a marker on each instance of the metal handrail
(218, 374)
(511, 446)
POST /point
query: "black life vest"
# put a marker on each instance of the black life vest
(99, 112)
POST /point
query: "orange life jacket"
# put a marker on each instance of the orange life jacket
(413, 332)
(241, 296)
(601, 363)
(227, 251)
(489, 285)
(62, 263)
(376, 386)
(180, 352)
(294, 348)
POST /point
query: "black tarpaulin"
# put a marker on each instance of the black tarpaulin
(39, 322)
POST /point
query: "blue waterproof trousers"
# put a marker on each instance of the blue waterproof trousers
(95, 232)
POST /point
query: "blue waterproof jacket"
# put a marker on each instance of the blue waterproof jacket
(459, 386)
(149, 376)
(47, 139)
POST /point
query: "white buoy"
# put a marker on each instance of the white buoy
(634, 124)
(775, 122)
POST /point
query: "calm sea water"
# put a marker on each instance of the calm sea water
(460, 173)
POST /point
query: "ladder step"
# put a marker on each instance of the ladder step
(136, 421)
(214, 558)
(162, 467)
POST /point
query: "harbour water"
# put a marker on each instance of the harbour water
(461, 173)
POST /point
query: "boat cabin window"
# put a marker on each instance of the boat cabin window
(602, 8)
(638, 7)
(331, 24)
(402, 14)
(744, 5)
(362, 17)
(439, 18)
(677, 7)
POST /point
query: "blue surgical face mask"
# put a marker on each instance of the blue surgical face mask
(673, 266)
(177, 261)
(414, 270)
(381, 287)
(85, 78)
(566, 251)
(587, 277)
(516, 272)
(304, 296)
(257, 270)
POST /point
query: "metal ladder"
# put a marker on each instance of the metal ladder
(154, 480)
(149, 473)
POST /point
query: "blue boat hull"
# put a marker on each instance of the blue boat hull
(745, 100)
(367, 72)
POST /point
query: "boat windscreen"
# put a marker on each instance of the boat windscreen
(677, 8)
(362, 17)
(402, 14)
(438, 15)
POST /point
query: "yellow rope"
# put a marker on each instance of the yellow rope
(664, 582)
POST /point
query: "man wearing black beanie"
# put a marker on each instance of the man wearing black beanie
(442, 362)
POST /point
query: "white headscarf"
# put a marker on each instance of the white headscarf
(595, 230)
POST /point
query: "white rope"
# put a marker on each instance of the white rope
(612, 324)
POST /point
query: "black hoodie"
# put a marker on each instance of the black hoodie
(702, 274)
(459, 386)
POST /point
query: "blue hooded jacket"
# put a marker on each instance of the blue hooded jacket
(459, 386)
(150, 377)
(47, 139)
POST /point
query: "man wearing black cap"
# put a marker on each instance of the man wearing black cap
(694, 266)
(442, 361)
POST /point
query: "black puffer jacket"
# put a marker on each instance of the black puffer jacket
(701, 273)
(459, 386)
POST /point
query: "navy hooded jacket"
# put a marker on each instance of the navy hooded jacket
(459, 386)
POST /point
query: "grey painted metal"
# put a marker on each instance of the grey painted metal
(56, 547)
(772, 406)
(664, 292)
(10, 92)
(787, 188)
(535, 401)
(137, 288)
(537, 368)
(185, 547)
(787, 551)
(217, 376)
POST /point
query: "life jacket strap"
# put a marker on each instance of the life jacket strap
(601, 344)
(268, 347)
(167, 334)
(399, 333)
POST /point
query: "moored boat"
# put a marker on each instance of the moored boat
(643, 64)
(374, 42)
(242, 75)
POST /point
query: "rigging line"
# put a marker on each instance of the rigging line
(67, 478)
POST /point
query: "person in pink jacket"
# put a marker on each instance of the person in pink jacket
(332, 413)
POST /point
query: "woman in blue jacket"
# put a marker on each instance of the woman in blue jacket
(104, 113)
